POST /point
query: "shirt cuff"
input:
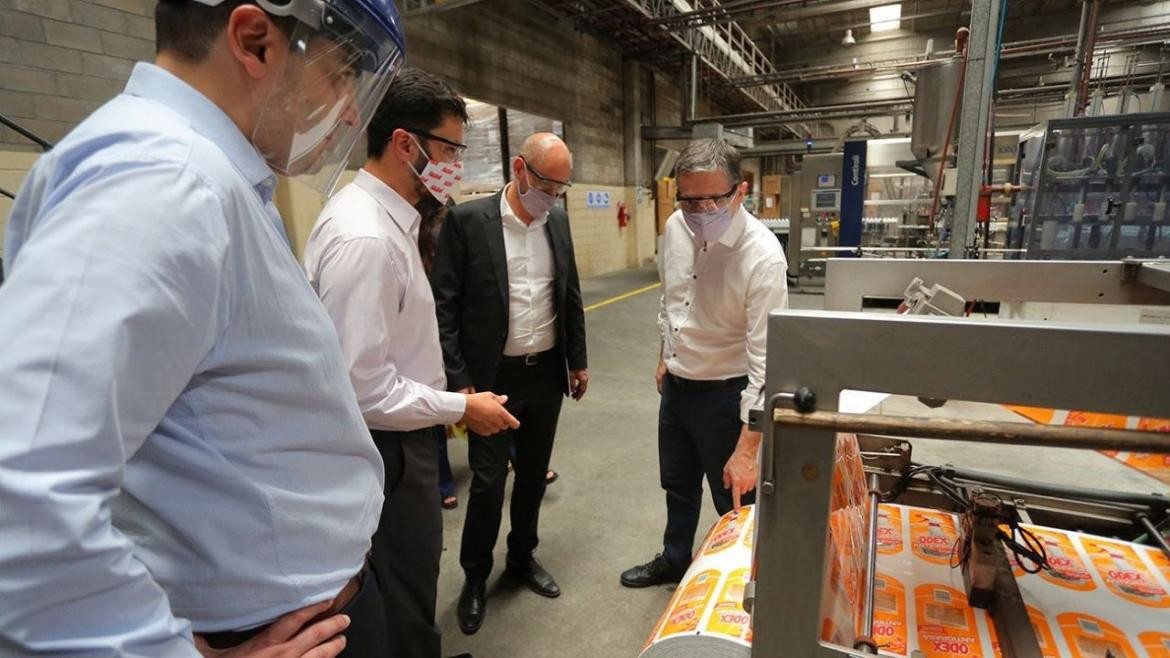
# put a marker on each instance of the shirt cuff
(748, 399)
(452, 407)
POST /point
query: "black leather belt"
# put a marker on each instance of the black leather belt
(528, 359)
(707, 384)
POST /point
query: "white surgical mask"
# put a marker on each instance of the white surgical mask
(709, 225)
(536, 201)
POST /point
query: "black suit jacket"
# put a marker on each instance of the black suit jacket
(470, 282)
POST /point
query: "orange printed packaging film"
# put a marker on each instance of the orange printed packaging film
(1090, 637)
(689, 606)
(726, 532)
(1160, 561)
(1044, 636)
(1067, 569)
(889, 534)
(889, 614)
(932, 535)
(946, 624)
(1124, 572)
(1156, 644)
(728, 616)
(845, 548)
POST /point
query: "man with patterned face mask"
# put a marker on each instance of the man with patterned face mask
(363, 259)
(722, 273)
(511, 319)
(183, 468)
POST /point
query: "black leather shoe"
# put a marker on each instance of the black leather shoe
(472, 606)
(535, 576)
(655, 572)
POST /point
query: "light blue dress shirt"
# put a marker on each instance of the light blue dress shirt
(178, 436)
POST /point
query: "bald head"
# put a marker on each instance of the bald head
(547, 154)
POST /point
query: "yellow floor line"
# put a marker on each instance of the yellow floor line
(625, 295)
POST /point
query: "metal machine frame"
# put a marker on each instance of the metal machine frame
(849, 281)
(828, 352)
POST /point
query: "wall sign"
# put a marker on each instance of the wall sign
(596, 199)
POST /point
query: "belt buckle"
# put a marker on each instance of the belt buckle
(530, 359)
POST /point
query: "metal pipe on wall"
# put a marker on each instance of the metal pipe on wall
(1086, 68)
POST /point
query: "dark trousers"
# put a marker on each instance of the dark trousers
(367, 634)
(698, 428)
(446, 478)
(409, 541)
(534, 395)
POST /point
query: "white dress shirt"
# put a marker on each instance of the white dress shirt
(532, 317)
(716, 297)
(362, 259)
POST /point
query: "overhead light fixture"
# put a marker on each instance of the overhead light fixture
(885, 18)
(848, 40)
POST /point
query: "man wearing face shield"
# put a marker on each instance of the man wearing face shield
(511, 319)
(183, 466)
(363, 259)
(722, 273)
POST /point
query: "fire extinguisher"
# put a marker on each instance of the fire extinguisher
(623, 215)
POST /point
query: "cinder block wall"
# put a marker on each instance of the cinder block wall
(61, 59)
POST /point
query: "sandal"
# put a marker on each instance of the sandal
(551, 476)
(450, 502)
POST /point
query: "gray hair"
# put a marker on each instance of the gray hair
(710, 155)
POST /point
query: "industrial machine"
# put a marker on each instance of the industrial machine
(1094, 188)
(816, 357)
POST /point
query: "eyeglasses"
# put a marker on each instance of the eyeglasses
(701, 203)
(550, 185)
(452, 151)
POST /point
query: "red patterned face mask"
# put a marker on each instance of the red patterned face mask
(439, 177)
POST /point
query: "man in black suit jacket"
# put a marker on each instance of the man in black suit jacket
(511, 321)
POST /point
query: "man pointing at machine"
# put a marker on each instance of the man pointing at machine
(183, 465)
(722, 273)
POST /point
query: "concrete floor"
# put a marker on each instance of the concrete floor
(607, 511)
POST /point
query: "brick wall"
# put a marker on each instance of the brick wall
(61, 59)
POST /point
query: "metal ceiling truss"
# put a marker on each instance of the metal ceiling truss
(726, 50)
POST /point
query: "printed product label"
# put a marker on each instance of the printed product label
(1160, 561)
(728, 616)
(932, 536)
(889, 534)
(946, 624)
(1157, 645)
(1090, 637)
(1043, 633)
(690, 605)
(1067, 570)
(1124, 572)
(727, 531)
(889, 614)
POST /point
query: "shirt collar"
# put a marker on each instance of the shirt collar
(507, 213)
(206, 118)
(403, 213)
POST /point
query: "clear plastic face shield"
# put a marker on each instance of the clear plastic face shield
(332, 83)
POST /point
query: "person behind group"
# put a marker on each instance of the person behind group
(722, 273)
(183, 467)
(362, 257)
(511, 319)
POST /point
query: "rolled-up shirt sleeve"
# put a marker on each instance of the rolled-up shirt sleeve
(109, 306)
(361, 288)
(767, 292)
